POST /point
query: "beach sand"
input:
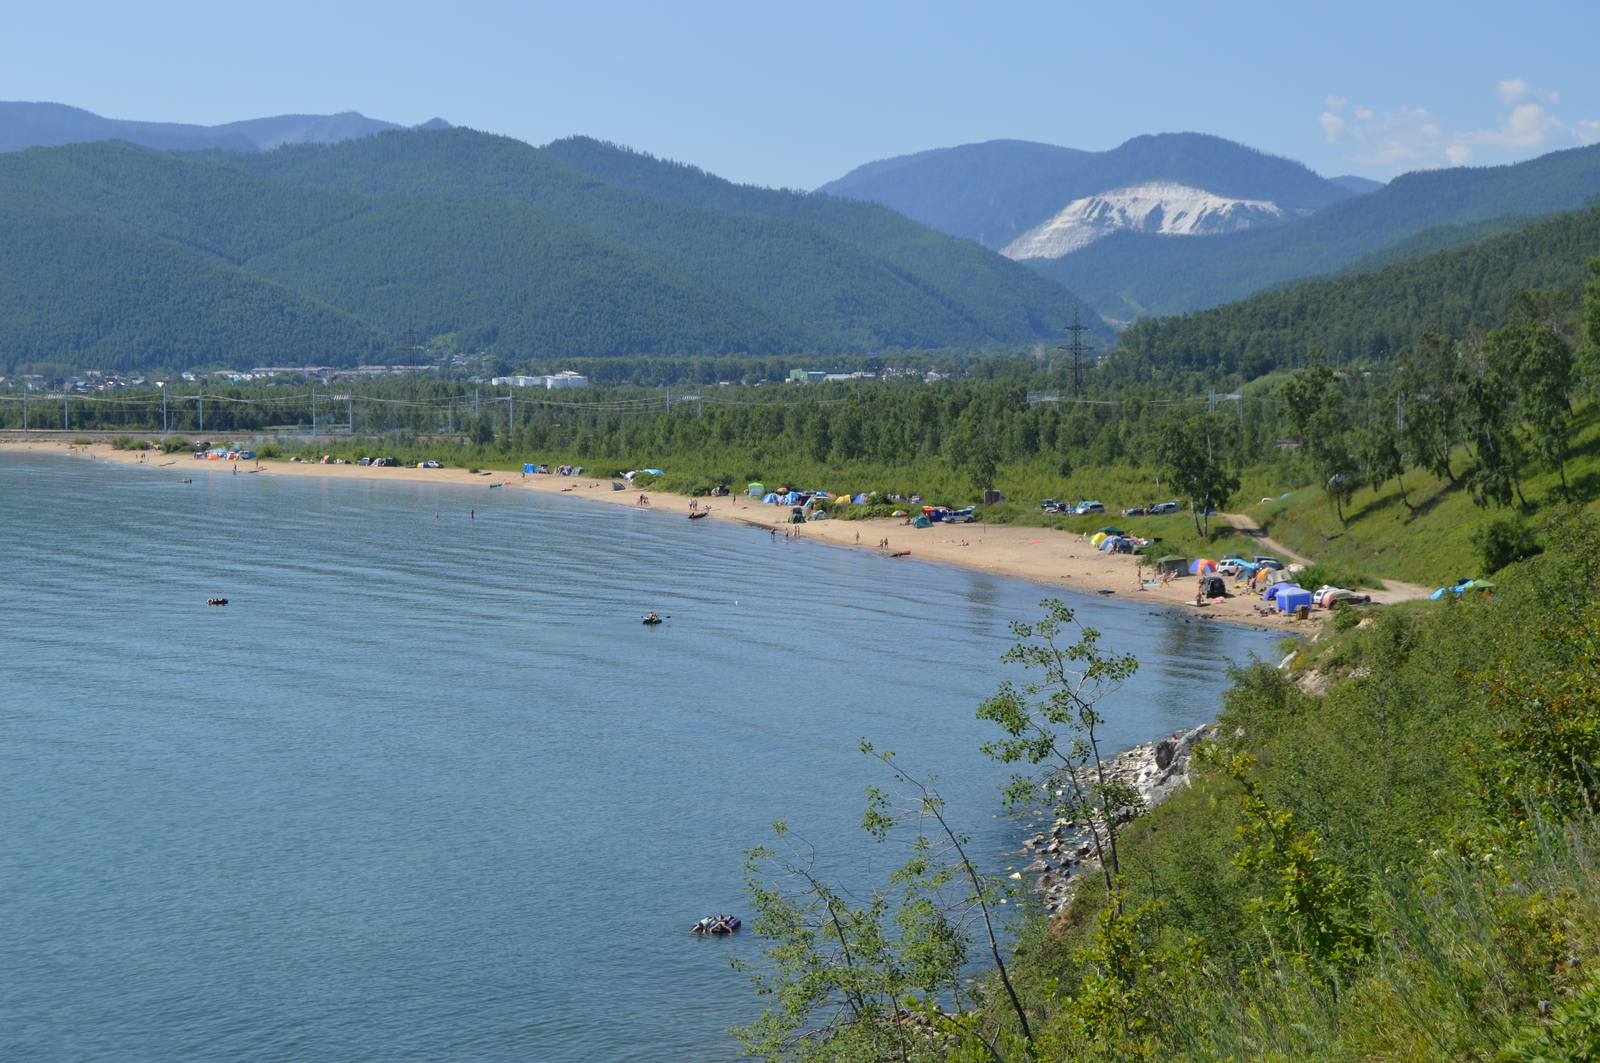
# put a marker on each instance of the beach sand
(1055, 559)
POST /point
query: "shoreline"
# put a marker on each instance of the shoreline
(1057, 559)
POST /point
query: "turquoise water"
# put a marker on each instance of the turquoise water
(427, 789)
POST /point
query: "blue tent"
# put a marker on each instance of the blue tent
(769, 497)
(1279, 588)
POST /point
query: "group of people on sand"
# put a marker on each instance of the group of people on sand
(716, 924)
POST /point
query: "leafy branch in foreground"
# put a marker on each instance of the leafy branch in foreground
(870, 979)
(1055, 721)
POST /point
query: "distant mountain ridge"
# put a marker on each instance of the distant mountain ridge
(27, 125)
(1131, 274)
(996, 191)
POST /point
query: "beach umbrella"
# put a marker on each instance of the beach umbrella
(1113, 531)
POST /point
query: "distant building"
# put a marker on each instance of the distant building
(563, 379)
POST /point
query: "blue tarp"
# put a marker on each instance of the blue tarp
(655, 472)
(769, 497)
(1292, 598)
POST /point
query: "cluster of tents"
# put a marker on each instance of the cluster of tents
(1462, 586)
(1109, 540)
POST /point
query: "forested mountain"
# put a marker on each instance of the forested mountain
(84, 291)
(118, 257)
(1133, 274)
(27, 125)
(995, 192)
(852, 273)
(1367, 317)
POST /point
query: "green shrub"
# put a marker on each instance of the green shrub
(1334, 575)
(82, 442)
(271, 450)
(176, 445)
(126, 443)
(1504, 541)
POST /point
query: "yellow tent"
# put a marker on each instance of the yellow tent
(1097, 538)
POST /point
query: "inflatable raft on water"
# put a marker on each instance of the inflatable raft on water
(717, 924)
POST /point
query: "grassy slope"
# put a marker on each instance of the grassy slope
(1432, 543)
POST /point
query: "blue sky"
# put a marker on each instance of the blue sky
(796, 94)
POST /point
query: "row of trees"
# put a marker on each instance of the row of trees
(1496, 403)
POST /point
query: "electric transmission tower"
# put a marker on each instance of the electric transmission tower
(1076, 347)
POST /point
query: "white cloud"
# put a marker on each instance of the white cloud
(1516, 91)
(1412, 137)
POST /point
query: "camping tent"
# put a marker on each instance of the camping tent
(1097, 538)
(1113, 531)
(756, 490)
(1279, 588)
(1273, 576)
(1202, 566)
(1291, 598)
(922, 521)
(1172, 563)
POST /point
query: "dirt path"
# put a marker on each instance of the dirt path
(1245, 526)
(1394, 590)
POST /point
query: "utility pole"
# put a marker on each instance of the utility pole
(25, 407)
(201, 406)
(313, 413)
(63, 407)
(350, 412)
(163, 411)
(1076, 347)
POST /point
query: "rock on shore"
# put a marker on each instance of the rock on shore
(1063, 854)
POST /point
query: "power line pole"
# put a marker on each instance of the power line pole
(201, 406)
(1076, 347)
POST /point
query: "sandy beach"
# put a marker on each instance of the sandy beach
(1055, 559)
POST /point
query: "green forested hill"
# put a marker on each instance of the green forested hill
(84, 291)
(502, 275)
(1368, 316)
(987, 286)
(1138, 274)
(489, 241)
(847, 270)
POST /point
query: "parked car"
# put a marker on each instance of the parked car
(429, 465)
(1050, 502)
(363, 461)
(961, 516)
(1234, 567)
(1165, 507)
(1267, 562)
(1084, 508)
(1136, 511)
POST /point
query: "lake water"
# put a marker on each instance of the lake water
(427, 789)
